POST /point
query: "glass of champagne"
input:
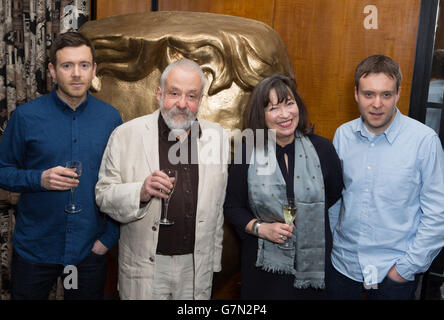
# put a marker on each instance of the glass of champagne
(72, 207)
(172, 174)
(289, 211)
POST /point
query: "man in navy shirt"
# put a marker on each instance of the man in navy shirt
(41, 136)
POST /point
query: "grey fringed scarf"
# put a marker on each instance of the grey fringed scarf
(267, 192)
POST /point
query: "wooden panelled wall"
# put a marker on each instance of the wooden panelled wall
(325, 40)
(107, 8)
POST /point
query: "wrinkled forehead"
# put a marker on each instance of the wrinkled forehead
(183, 78)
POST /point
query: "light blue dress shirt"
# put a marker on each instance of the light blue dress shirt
(392, 206)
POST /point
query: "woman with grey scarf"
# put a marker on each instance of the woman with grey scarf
(283, 160)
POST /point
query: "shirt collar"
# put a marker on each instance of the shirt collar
(288, 149)
(62, 104)
(390, 133)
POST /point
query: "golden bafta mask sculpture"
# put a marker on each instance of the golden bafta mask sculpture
(234, 53)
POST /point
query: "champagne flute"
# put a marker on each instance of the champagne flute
(289, 211)
(172, 174)
(72, 207)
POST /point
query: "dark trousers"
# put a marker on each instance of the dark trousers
(340, 287)
(33, 281)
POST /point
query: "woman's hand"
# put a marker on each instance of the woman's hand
(275, 232)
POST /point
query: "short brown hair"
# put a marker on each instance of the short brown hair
(69, 39)
(378, 63)
(260, 98)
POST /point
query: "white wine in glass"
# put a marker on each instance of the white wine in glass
(172, 174)
(72, 207)
(289, 211)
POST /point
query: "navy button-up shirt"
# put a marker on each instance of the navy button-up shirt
(46, 133)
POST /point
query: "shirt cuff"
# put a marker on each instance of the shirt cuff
(36, 180)
(111, 235)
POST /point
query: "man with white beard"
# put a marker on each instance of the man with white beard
(175, 260)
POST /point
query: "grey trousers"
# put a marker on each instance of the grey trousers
(174, 277)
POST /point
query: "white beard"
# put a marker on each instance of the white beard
(168, 117)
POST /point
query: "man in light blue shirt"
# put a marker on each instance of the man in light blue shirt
(389, 225)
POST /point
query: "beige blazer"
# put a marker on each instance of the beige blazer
(130, 156)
